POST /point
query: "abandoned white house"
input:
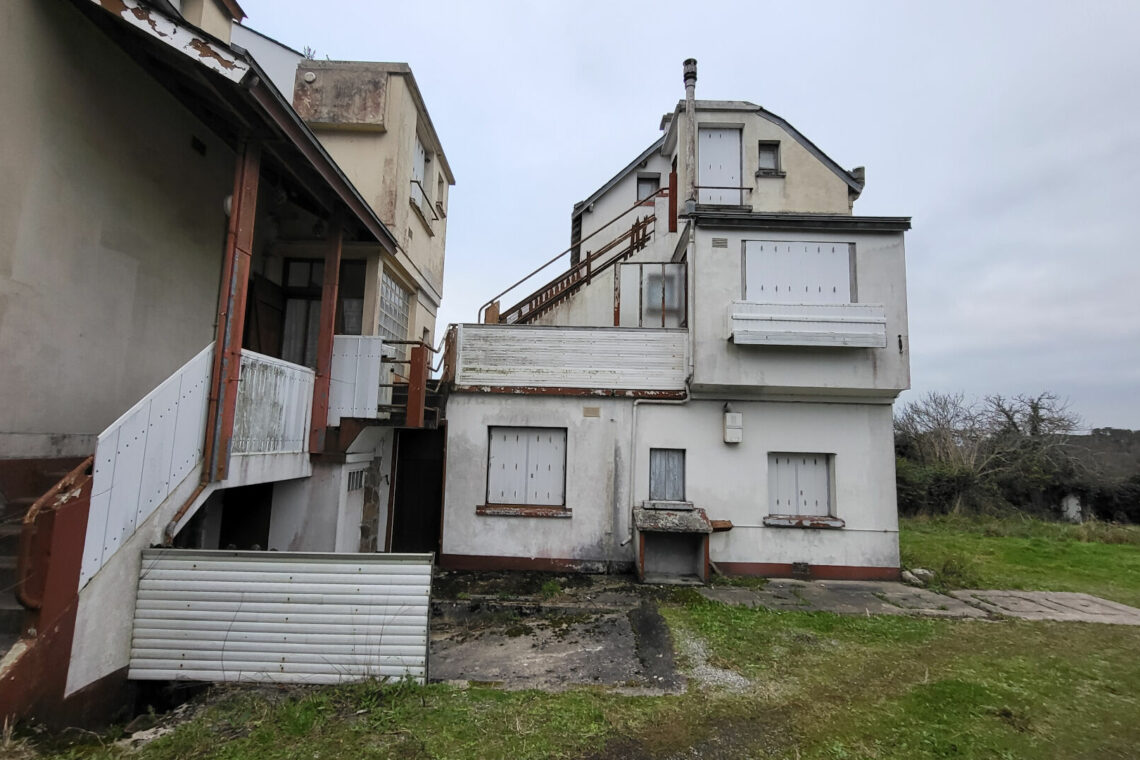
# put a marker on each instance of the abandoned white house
(711, 379)
(200, 260)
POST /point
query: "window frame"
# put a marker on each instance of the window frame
(493, 508)
(684, 475)
(778, 169)
(796, 519)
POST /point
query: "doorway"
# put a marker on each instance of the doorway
(417, 493)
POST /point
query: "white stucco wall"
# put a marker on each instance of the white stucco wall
(730, 481)
(111, 229)
(769, 370)
(597, 471)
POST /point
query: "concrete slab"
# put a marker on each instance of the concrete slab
(846, 598)
(1051, 605)
(554, 648)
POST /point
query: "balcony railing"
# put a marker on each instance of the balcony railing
(855, 325)
(274, 405)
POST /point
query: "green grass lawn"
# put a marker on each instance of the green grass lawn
(821, 686)
(1023, 553)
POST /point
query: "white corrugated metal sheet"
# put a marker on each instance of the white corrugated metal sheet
(143, 456)
(291, 617)
(857, 325)
(274, 405)
(571, 357)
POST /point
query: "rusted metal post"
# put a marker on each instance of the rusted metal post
(417, 386)
(491, 315)
(226, 369)
(325, 337)
(673, 197)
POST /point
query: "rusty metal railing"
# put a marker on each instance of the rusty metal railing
(483, 309)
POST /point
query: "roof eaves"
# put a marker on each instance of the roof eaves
(243, 72)
(645, 154)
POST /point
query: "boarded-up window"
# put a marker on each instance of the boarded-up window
(781, 272)
(799, 484)
(527, 465)
(718, 159)
(667, 474)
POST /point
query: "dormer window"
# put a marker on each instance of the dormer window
(768, 160)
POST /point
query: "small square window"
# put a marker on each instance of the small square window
(666, 474)
(648, 186)
(768, 160)
(799, 484)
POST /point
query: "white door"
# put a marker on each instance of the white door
(718, 159)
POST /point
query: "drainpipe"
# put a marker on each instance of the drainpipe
(690, 68)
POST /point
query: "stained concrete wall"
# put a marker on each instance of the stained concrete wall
(880, 273)
(371, 133)
(111, 231)
(809, 185)
(730, 481)
(597, 472)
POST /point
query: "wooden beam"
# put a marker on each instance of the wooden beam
(226, 368)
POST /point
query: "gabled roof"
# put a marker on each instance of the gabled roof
(852, 181)
(645, 154)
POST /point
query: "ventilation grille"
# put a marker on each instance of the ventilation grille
(720, 242)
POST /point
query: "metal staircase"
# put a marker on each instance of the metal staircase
(581, 273)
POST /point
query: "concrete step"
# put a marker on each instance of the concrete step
(7, 574)
(10, 538)
(11, 617)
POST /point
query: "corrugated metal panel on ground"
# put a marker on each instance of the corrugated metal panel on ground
(143, 456)
(571, 357)
(291, 617)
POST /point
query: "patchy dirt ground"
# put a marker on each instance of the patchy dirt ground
(529, 645)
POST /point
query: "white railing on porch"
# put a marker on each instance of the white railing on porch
(356, 376)
(274, 405)
(143, 456)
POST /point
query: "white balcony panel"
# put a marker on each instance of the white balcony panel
(274, 405)
(609, 358)
(854, 325)
(355, 377)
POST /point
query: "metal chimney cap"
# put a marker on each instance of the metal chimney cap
(690, 67)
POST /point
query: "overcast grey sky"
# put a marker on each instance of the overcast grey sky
(1009, 131)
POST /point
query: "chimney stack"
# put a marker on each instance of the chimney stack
(690, 69)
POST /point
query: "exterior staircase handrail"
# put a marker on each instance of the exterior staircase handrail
(496, 297)
(562, 287)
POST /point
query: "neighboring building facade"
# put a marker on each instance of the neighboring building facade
(711, 380)
(195, 296)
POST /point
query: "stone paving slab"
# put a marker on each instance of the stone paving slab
(1051, 605)
(847, 598)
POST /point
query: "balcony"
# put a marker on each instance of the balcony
(851, 325)
(603, 360)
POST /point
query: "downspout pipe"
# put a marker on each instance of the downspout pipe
(690, 75)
